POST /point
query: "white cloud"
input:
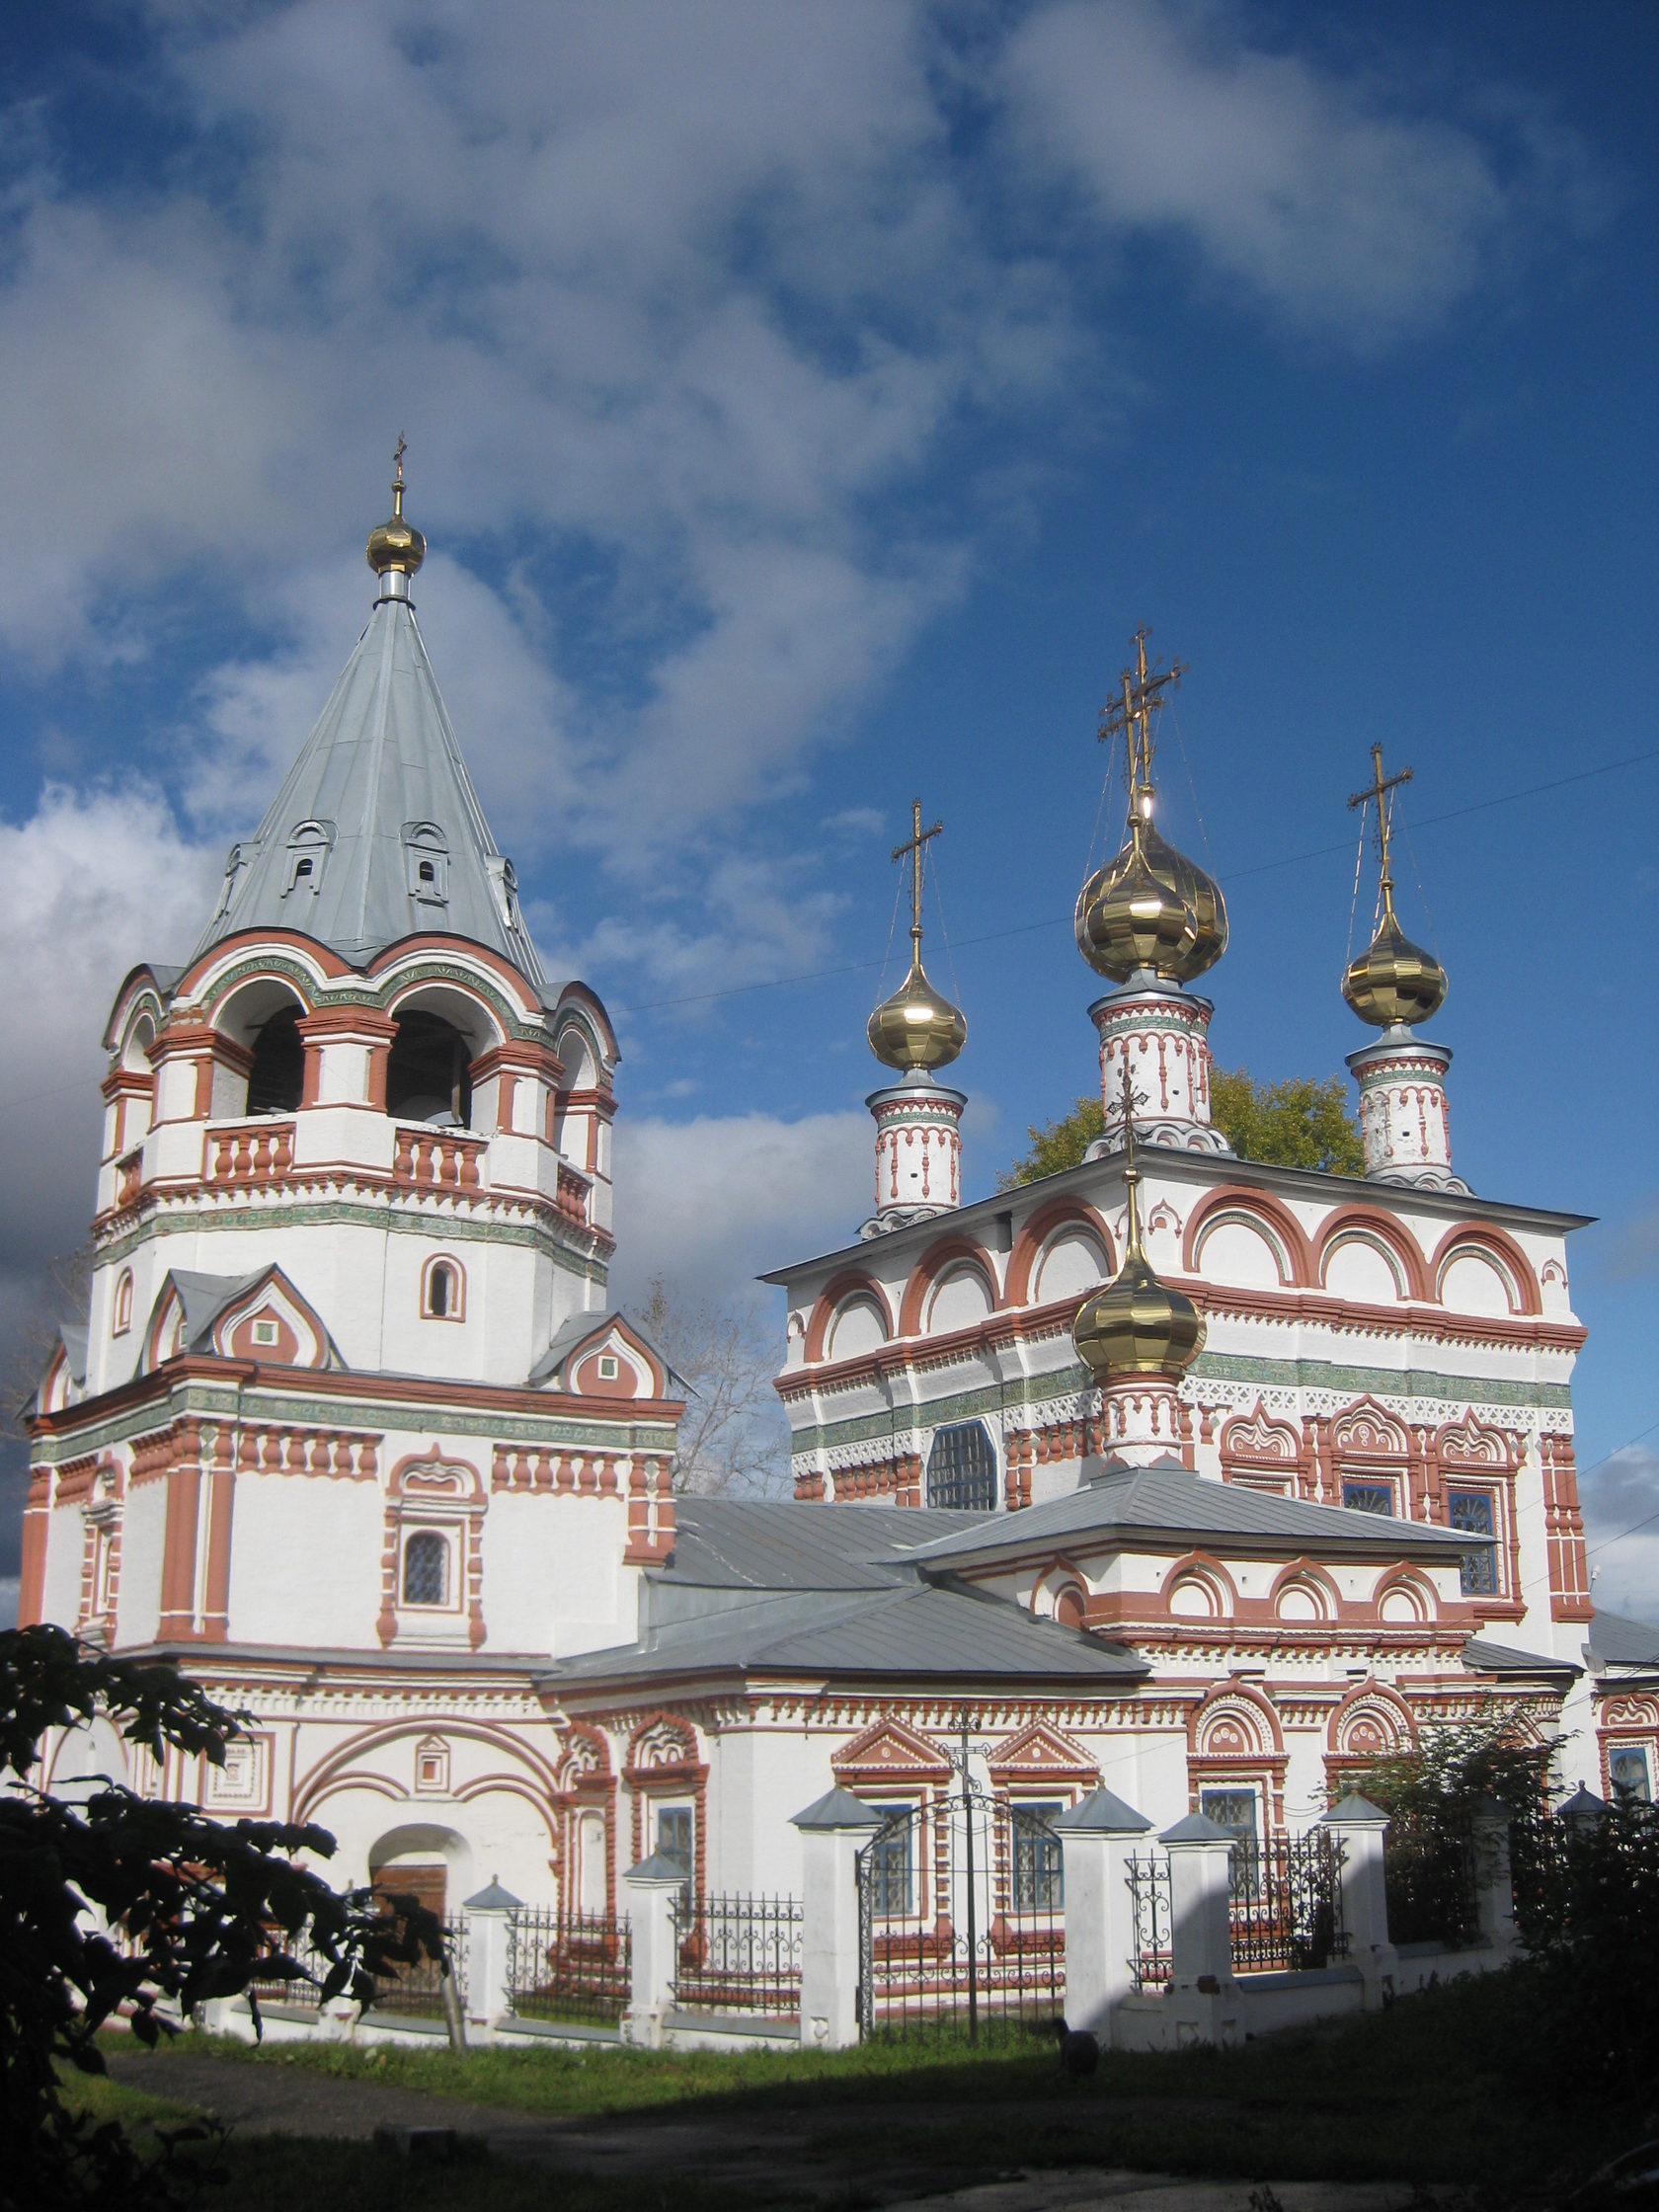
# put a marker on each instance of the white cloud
(711, 1203)
(90, 885)
(1322, 193)
(1623, 1495)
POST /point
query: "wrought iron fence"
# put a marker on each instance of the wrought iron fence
(1431, 1879)
(738, 1953)
(569, 1966)
(1153, 1961)
(961, 1920)
(415, 1991)
(1285, 1907)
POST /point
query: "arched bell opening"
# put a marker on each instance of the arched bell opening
(428, 1074)
(277, 1078)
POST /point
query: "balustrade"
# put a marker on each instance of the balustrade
(249, 1153)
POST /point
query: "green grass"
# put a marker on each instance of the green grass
(1422, 2093)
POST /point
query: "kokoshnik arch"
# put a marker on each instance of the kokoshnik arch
(1176, 1471)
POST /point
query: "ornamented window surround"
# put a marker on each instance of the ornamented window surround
(1467, 1455)
(427, 1490)
(456, 1308)
(1265, 1452)
(1234, 1736)
(586, 1786)
(101, 1547)
(662, 1763)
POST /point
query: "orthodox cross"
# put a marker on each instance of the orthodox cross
(917, 840)
(1143, 690)
(397, 457)
(1381, 786)
(1132, 1174)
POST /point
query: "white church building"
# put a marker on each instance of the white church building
(1174, 1474)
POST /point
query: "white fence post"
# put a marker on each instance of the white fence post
(651, 1888)
(1360, 1829)
(489, 1932)
(1494, 1886)
(833, 1831)
(1097, 1840)
(1206, 2000)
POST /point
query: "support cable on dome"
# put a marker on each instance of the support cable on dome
(1411, 850)
(939, 903)
(1354, 903)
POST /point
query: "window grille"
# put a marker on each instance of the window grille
(962, 1468)
(676, 1840)
(1039, 1863)
(1369, 1497)
(892, 1886)
(1471, 1510)
(426, 1569)
(1627, 1770)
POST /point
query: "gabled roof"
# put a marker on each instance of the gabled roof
(205, 1298)
(380, 783)
(579, 1329)
(741, 1543)
(1169, 1504)
(920, 1630)
(1504, 1659)
(1616, 1640)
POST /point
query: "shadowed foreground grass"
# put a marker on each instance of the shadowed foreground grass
(1426, 2091)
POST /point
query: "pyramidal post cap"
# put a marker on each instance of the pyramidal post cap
(395, 546)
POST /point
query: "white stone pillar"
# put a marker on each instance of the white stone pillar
(489, 1938)
(1162, 1032)
(1206, 2000)
(1494, 1886)
(1360, 1829)
(918, 1151)
(1097, 1840)
(648, 1892)
(1404, 1117)
(832, 1829)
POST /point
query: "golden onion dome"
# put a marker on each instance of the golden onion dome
(1394, 981)
(1132, 917)
(1202, 892)
(1136, 1324)
(917, 1027)
(396, 543)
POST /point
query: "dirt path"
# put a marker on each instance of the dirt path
(818, 2149)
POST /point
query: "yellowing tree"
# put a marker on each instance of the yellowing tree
(1298, 1123)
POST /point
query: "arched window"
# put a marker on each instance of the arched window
(1070, 1608)
(429, 1073)
(445, 1299)
(278, 1075)
(962, 1468)
(124, 1304)
(426, 1569)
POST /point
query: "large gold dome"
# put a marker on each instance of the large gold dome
(1151, 908)
(1394, 981)
(917, 1027)
(1136, 1324)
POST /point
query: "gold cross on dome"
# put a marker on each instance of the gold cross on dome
(1143, 690)
(1381, 786)
(918, 838)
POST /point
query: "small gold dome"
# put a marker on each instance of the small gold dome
(1130, 915)
(395, 543)
(1393, 981)
(1136, 1325)
(917, 1027)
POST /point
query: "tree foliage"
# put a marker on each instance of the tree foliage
(1296, 1123)
(114, 1905)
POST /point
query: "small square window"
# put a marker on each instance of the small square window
(1369, 1497)
(608, 1368)
(265, 1332)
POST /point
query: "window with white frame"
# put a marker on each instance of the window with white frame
(1039, 1866)
(1631, 1774)
(1471, 1510)
(426, 1568)
(892, 1865)
(677, 1842)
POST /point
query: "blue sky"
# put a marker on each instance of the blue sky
(804, 406)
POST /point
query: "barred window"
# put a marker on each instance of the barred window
(1471, 1510)
(1039, 1866)
(426, 1569)
(1627, 1770)
(962, 1468)
(1369, 1497)
(892, 1886)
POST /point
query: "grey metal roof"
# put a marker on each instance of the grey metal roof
(74, 1335)
(1502, 1659)
(1169, 1503)
(381, 762)
(921, 1631)
(740, 1543)
(206, 1296)
(1616, 1640)
(579, 1329)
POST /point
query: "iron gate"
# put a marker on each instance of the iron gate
(961, 1918)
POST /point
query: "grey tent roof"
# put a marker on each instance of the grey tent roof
(1167, 1502)
(1502, 1659)
(74, 1335)
(381, 765)
(741, 1543)
(1616, 1640)
(206, 1296)
(922, 1630)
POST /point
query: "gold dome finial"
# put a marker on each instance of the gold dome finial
(1151, 909)
(916, 1028)
(394, 546)
(1393, 983)
(1134, 1324)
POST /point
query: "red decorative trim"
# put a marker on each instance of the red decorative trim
(833, 1298)
(1034, 1234)
(932, 1265)
(1366, 1221)
(890, 1753)
(1243, 1199)
(1485, 1235)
